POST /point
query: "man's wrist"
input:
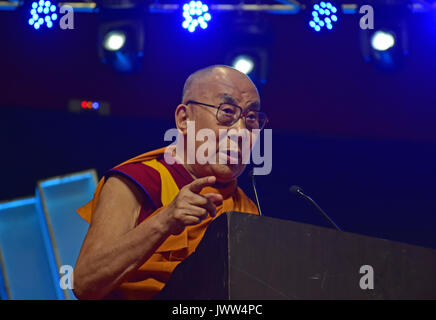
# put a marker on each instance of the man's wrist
(160, 223)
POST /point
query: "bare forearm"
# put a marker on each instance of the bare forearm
(104, 267)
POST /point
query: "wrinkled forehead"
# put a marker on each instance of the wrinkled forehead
(225, 85)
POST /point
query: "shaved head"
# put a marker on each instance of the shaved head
(205, 74)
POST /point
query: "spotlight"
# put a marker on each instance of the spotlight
(243, 63)
(252, 60)
(382, 41)
(324, 15)
(249, 47)
(196, 14)
(114, 40)
(387, 46)
(121, 36)
(42, 13)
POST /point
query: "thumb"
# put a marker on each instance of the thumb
(216, 198)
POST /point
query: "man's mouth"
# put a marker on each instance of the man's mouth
(231, 156)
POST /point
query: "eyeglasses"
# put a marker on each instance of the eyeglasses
(228, 114)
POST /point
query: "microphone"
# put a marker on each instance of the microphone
(297, 191)
(253, 181)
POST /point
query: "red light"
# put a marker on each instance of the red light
(84, 104)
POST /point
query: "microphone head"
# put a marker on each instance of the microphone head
(295, 190)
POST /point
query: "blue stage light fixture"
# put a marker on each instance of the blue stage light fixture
(42, 13)
(324, 15)
(196, 14)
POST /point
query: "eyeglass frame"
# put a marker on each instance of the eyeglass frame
(241, 114)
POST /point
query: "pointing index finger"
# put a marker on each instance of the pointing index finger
(197, 185)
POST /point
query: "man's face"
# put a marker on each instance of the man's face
(222, 85)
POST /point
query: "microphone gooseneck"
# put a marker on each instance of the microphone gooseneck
(296, 190)
(253, 181)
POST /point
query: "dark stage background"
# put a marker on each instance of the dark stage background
(361, 142)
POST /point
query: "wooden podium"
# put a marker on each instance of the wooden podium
(244, 256)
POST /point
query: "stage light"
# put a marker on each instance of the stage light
(387, 46)
(244, 63)
(114, 40)
(121, 38)
(252, 60)
(324, 15)
(382, 41)
(248, 50)
(196, 14)
(42, 13)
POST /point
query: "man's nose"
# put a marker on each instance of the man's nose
(240, 124)
(241, 131)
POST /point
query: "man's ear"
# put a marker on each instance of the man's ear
(182, 115)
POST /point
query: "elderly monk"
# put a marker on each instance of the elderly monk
(147, 215)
